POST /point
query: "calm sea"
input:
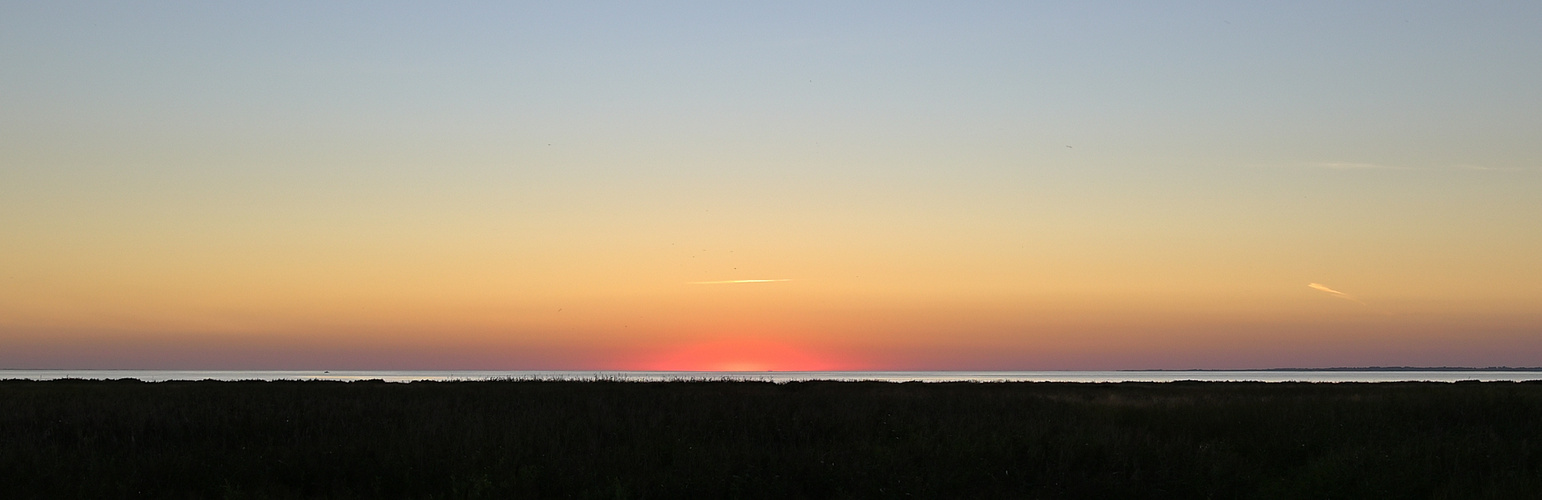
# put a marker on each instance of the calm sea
(945, 376)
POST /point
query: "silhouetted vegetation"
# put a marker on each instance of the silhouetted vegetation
(534, 439)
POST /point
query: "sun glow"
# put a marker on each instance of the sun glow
(743, 355)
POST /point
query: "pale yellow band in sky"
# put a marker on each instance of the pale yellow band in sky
(732, 282)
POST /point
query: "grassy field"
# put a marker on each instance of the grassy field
(531, 439)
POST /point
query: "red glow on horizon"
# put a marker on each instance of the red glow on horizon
(743, 355)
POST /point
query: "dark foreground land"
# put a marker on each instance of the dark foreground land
(524, 439)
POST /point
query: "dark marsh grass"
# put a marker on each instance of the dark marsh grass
(611, 439)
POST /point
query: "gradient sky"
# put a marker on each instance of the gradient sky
(923, 185)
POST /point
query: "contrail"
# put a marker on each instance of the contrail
(730, 282)
(1336, 293)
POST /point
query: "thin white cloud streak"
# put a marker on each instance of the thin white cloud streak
(1324, 288)
(1336, 293)
(1348, 165)
(732, 282)
(1344, 165)
(1490, 169)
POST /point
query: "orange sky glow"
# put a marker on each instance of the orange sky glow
(1010, 186)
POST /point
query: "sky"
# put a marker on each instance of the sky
(770, 185)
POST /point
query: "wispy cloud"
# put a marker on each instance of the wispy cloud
(1324, 288)
(1481, 168)
(1346, 165)
(1335, 293)
(1351, 165)
(732, 282)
